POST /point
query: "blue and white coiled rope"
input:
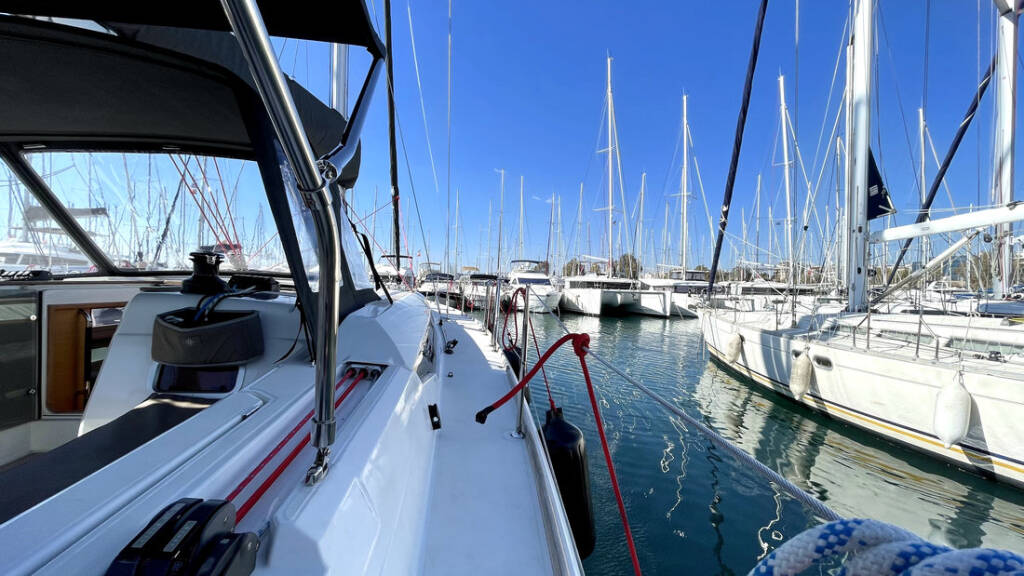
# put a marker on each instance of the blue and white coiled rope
(876, 548)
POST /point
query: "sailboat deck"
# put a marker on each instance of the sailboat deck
(485, 514)
(986, 344)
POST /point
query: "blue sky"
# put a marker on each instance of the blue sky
(528, 94)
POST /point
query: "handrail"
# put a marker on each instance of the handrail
(247, 25)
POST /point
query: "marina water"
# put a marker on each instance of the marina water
(693, 508)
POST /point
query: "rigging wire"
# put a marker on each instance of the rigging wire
(423, 108)
(448, 180)
(737, 145)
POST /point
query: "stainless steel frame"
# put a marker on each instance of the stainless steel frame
(314, 181)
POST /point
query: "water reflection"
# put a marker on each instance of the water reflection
(695, 510)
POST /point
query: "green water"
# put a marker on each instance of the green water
(695, 510)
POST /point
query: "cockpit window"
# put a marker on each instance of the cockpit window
(148, 211)
(29, 239)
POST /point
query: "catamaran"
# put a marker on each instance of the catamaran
(611, 290)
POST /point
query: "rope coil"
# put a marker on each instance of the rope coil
(876, 548)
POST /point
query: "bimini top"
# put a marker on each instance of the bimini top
(339, 21)
(69, 87)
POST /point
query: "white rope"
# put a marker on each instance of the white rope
(873, 548)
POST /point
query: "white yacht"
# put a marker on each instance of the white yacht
(948, 385)
(396, 277)
(19, 255)
(686, 289)
(543, 294)
(475, 288)
(261, 423)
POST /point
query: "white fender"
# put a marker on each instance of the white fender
(733, 348)
(952, 412)
(800, 375)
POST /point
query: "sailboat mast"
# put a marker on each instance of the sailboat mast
(501, 216)
(579, 228)
(684, 192)
(786, 180)
(611, 181)
(839, 263)
(743, 251)
(640, 224)
(551, 225)
(559, 252)
(857, 158)
(924, 186)
(392, 141)
(489, 267)
(1006, 115)
(664, 236)
(521, 182)
(456, 231)
(757, 221)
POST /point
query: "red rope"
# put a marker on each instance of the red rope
(580, 343)
(608, 459)
(269, 481)
(506, 336)
(543, 372)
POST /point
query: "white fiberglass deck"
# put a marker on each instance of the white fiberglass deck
(485, 514)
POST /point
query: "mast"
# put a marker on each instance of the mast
(551, 225)
(664, 237)
(924, 186)
(1003, 147)
(456, 231)
(857, 158)
(579, 229)
(392, 145)
(743, 252)
(757, 221)
(489, 267)
(783, 114)
(501, 216)
(839, 258)
(684, 192)
(520, 256)
(640, 224)
(611, 181)
(559, 252)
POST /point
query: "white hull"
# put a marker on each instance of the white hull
(602, 301)
(889, 393)
(685, 305)
(399, 496)
(541, 303)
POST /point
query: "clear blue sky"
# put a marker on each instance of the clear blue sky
(529, 90)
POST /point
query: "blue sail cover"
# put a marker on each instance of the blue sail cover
(879, 202)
